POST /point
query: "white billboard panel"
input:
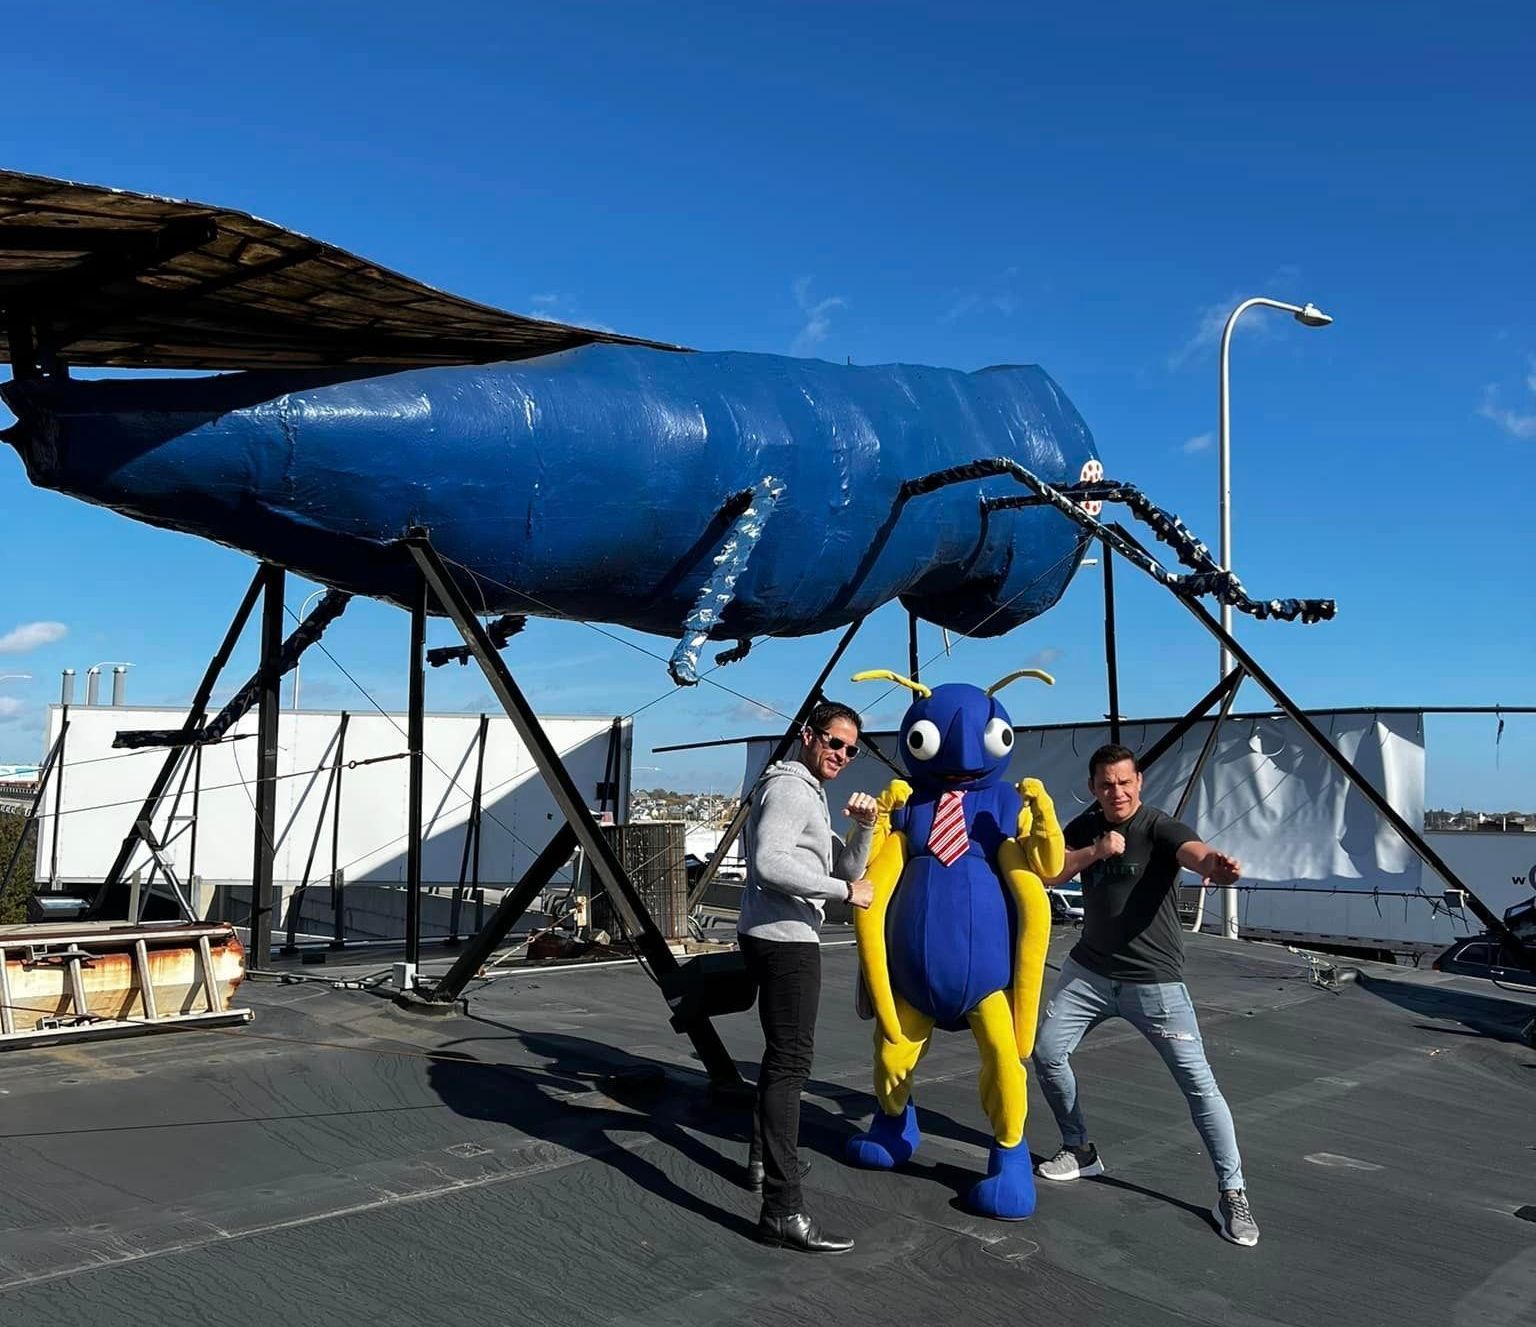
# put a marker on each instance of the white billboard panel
(102, 789)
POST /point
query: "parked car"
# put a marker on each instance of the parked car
(1501, 960)
(1066, 903)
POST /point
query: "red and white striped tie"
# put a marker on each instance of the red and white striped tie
(947, 840)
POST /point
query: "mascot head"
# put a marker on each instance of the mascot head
(955, 735)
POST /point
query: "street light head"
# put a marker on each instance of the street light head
(1312, 316)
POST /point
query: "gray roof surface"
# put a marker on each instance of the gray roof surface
(553, 1158)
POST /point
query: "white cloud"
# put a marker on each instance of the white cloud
(562, 309)
(1513, 422)
(1280, 284)
(31, 635)
(1044, 658)
(748, 710)
(818, 317)
(962, 306)
(10, 707)
(1212, 319)
(1199, 443)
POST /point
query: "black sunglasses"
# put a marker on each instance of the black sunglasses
(837, 743)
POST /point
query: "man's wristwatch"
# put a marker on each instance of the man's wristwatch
(848, 892)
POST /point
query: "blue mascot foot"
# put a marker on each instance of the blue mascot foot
(1008, 1192)
(890, 1142)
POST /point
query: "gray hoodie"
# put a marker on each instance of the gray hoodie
(794, 861)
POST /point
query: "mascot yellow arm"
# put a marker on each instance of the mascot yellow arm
(1037, 850)
(887, 861)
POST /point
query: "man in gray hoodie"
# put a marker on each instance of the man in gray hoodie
(794, 865)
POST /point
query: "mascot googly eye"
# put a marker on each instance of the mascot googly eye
(998, 737)
(923, 740)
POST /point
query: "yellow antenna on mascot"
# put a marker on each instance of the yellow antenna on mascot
(1014, 677)
(885, 675)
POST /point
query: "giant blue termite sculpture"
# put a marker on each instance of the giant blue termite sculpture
(721, 496)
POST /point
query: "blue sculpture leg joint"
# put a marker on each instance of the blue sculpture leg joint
(717, 592)
(890, 1142)
(1008, 1192)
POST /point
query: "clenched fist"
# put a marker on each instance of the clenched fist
(1110, 844)
(862, 807)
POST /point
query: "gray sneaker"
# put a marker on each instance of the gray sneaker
(1072, 1163)
(1234, 1218)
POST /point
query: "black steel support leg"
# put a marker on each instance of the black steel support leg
(1111, 661)
(416, 740)
(272, 580)
(517, 901)
(637, 918)
(338, 885)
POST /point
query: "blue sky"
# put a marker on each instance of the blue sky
(960, 185)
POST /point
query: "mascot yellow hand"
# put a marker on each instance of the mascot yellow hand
(896, 795)
(1039, 832)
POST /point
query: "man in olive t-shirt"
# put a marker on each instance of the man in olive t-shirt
(1129, 963)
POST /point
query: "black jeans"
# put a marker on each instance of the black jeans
(788, 977)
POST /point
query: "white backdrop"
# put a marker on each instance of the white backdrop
(1270, 798)
(103, 789)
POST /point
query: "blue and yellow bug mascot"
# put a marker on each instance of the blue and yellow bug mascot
(957, 933)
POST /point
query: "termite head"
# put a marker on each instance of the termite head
(955, 735)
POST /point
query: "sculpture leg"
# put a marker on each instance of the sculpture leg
(1008, 1192)
(893, 1135)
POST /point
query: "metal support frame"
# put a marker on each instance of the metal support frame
(338, 881)
(781, 748)
(29, 821)
(469, 861)
(510, 911)
(332, 785)
(264, 849)
(1111, 662)
(1192, 716)
(647, 938)
(1206, 748)
(416, 737)
(58, 805)
(914, 663)
(157, 853)
(192, 723)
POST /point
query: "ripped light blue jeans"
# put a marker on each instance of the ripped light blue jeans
(1165, 1016)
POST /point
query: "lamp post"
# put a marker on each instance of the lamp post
(304, 608)
(1308, 315)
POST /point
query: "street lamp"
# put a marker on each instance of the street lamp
(1308, 315)
(7, 677)
(304, 608)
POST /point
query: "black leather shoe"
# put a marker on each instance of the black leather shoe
(799, 1232)
(756, 1175)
